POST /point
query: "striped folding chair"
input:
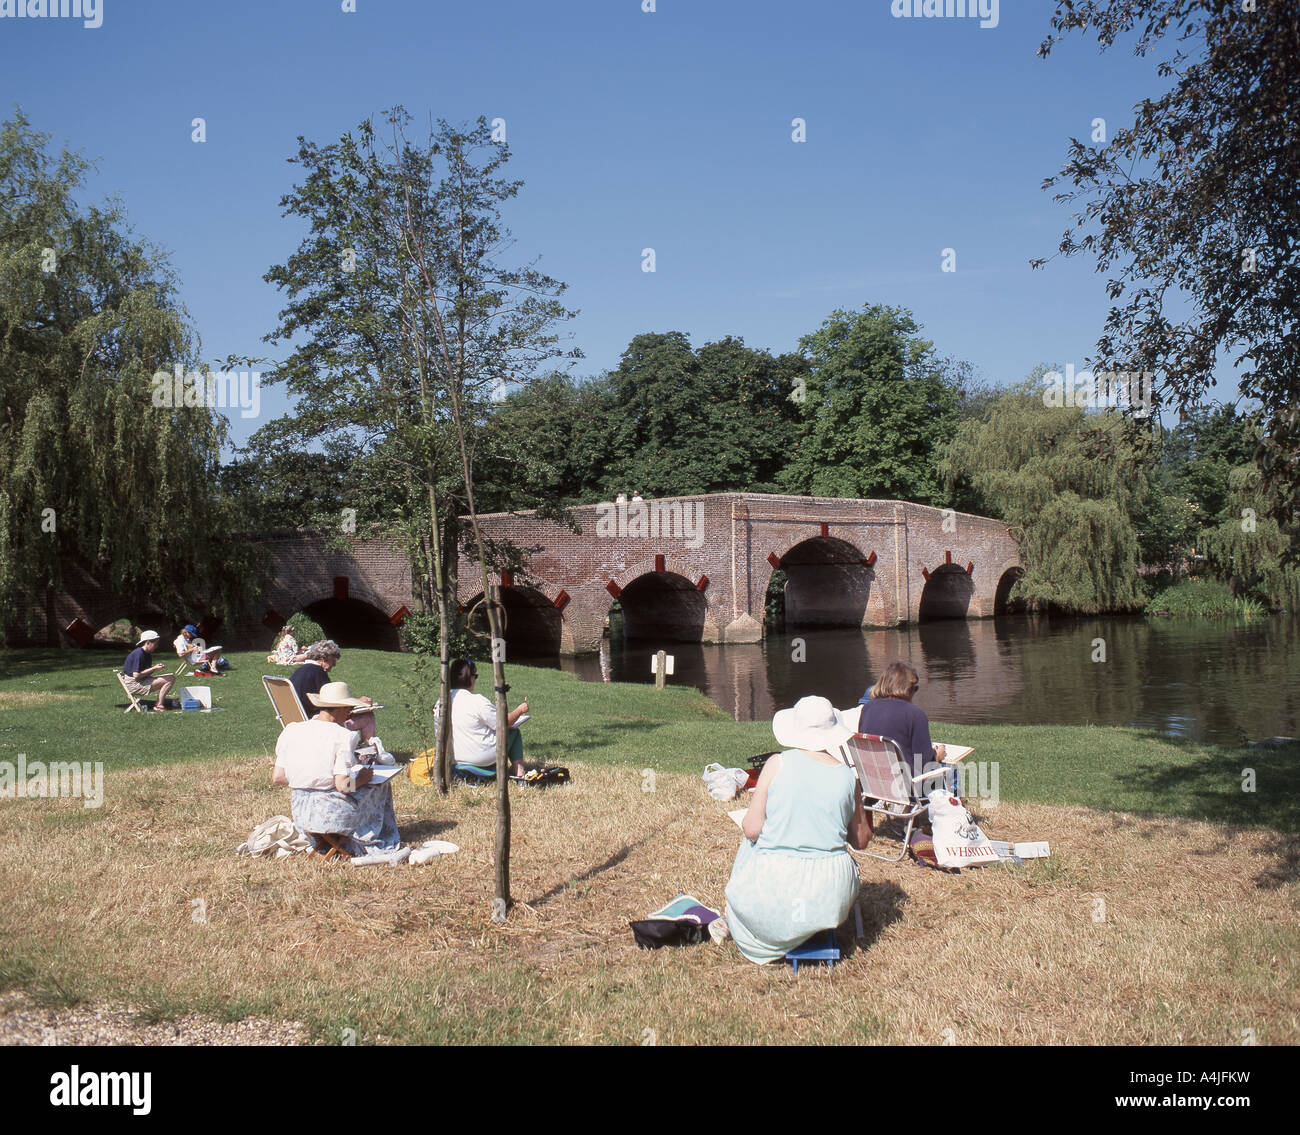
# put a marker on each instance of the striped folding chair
(886, 783)
(284, 699)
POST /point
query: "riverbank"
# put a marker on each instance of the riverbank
(1143, 927)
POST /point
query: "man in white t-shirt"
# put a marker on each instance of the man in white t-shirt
(474, 723)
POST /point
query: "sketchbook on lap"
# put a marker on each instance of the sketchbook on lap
(954, 753)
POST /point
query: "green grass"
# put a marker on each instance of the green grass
(1205, 598)
(627, 726)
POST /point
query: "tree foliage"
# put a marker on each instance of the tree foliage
(1071, 485)
(92, 473)
(1193, 211)
(877, 408)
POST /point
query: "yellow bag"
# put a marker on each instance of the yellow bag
(420, 770)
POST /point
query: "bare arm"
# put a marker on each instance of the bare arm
(756, 817)
(512, 718)
(860, 831)
(344, 784)
(280, 777)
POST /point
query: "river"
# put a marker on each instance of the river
(1208, 679)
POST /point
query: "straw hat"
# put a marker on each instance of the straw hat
(336, 695)
(813, 724)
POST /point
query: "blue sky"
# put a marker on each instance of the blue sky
(668, 130)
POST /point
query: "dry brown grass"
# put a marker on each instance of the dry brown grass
(1196, 942)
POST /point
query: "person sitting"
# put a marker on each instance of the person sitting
(793, 875)
(312, 676)
(474, 723)
(316, 759)
(191, 648)
(887, 711)
(194, 650)
(286, 651)
(139, 678)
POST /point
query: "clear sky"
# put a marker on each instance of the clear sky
(669, 130)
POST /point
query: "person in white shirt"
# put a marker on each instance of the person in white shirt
(318, 760)
(474, 723)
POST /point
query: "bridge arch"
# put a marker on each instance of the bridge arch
(1002, 603)
(534, 627)
(663, 605)
(355, 622)
(947, 594)
(828, 583)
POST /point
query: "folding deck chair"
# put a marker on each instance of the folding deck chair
(886, 782)
(134, 702)
(284, 699)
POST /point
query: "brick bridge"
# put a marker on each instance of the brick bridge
(697, 568)
(688, 569)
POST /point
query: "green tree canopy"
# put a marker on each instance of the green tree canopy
(92, 472)
(1071, 485)
(877, 408)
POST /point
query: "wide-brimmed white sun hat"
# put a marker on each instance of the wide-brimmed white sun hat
(148, 636)
(335, 695)
(813, 724)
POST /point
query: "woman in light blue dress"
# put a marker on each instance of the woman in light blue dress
(793, 874)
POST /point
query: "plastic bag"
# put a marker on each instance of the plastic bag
(724, 783)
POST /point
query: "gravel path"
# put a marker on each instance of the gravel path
(22, 1022)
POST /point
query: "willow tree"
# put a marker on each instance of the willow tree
(1249, 548)
(1070, 482)
(93, 475)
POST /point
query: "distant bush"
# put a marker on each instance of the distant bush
(420, 636)
(1206, 598)
(305, 631)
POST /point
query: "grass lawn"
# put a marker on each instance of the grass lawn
(1166, 913)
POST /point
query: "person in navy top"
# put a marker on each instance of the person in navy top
(140, 677)
(887, 711)
(313, 674)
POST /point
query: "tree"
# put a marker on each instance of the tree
(273, 486)
(1248, 548)
(93, 473)
(412, 327)
(682, 421)
(877, 408)
(1193, 211)
(1070, 484)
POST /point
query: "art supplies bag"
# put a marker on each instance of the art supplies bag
(420, 770)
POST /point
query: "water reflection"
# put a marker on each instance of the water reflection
(1206, 679)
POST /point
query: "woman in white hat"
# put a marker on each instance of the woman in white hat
(793, 874)
(318, 760)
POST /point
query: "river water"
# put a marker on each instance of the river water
(1209, 679)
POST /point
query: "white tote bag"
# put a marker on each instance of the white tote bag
(958, 841)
